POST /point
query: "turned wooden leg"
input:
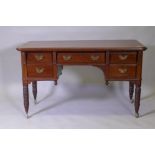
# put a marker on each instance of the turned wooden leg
(131, 90)
(137, 98)
(34, 90)
(55, 82)
(26, 98)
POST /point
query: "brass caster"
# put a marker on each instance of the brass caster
(27, 116)
(132, 101)
(137, 115)
(107, 83)
(55, 82)
(35, 102)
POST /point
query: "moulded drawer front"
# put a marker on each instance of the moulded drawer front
(122, 71)
(83, 58)
(39, 58)
(125, 58)
(40, 71)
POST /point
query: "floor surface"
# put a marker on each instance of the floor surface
(76, 106)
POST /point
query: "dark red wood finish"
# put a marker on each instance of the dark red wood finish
(120, 60)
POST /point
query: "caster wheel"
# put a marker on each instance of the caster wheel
(132, 101)
(136, 115)
(55, 83)
(107, 83)
(27, 116)
(35, 102)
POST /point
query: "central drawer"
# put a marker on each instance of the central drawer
(81, 58)
(40, 71)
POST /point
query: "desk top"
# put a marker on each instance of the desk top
(82, 45)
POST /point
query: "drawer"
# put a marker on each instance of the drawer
(39, 70)
(125, 58)
(81, 58)
(122, 71)
(39, 58)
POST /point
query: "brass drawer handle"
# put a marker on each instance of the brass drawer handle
(39, 57)
(39, 70)
(123, 70)
(67, 57)
(123, 57)
(95, 58)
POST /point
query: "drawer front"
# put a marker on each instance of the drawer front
(39, 58)
(122, 71)
(40, 71)
(125, 58)
(81, 58)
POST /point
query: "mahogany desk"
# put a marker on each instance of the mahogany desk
(120, 60)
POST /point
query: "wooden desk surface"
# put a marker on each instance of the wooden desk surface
(82, 44)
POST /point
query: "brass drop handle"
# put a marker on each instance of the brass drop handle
(123, 57)
(123, 70)
(39, 70)
(95, 57)
(67, 57)
(39, 57)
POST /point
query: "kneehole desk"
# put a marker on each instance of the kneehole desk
(120, 60)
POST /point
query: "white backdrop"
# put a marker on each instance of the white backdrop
(85, 82)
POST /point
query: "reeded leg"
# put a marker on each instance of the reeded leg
(34, 90)
(137, 98)
(26, 98)
(55, 82)
(131, 90)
